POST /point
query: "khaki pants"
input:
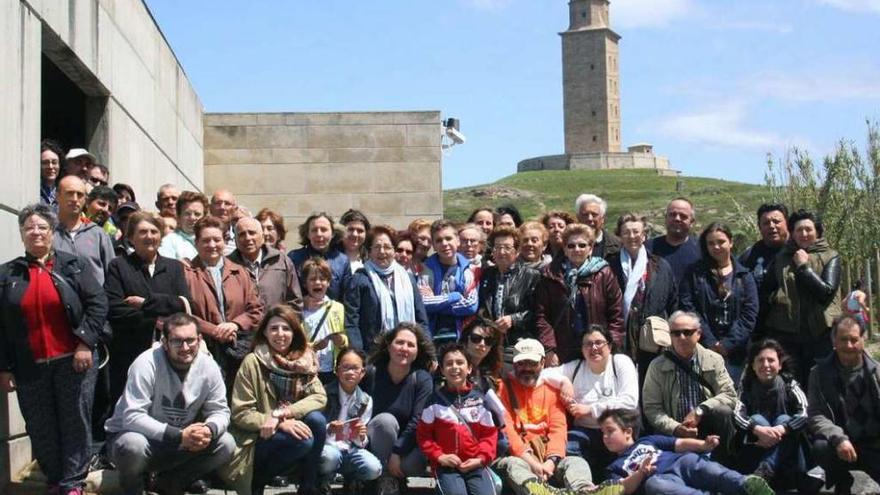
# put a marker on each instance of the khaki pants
(572, 473)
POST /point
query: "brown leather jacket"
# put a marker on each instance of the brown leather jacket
(241, 299)
(604, 303)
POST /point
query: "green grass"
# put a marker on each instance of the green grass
(640, 191)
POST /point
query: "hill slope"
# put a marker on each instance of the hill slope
(639, 191)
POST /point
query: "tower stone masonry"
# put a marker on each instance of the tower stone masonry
(590, 79)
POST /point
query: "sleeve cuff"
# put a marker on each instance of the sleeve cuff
(213, 428)
(172, 435)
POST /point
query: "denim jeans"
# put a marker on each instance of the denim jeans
(282, 453)
(453, 482)
(691, 474)
(783, 452)
(355, 464)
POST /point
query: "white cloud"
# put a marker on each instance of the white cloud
(723, 126)
(829, 85)
(752, 25)
(649, 13)
(855, 5)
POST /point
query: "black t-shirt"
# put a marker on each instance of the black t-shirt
(681, 258)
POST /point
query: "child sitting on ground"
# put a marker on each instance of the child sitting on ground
(348, 411)
(668, 465)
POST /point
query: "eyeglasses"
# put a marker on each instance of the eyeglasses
(404, 251)
(476, 339)
(597, 344)
(97, 182)
(178, 343)
(345, 369)
(683, 333)
(469, 242)
(581, 245)
(40, 229)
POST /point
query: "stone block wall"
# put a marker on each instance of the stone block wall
(387, 164)
(145, 119)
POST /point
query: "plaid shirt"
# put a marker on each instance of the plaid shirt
(691, 393)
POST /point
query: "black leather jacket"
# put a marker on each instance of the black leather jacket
(520, 299)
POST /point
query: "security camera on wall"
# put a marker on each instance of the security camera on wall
(452, 131)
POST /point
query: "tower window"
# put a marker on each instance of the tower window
(593, 112)
(595, 138)
(584, 14)
(592, 67)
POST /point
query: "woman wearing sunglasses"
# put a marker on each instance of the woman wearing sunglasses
(577, 290)
(600, 380)
(507, 291)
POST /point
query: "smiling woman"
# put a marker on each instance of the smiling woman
(142, 288)
(225, 299)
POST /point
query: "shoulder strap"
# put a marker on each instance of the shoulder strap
(681, 365)
(514, 403)
(444, 398)
(320, 322)
(577, 368)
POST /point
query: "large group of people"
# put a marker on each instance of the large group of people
(554, 355)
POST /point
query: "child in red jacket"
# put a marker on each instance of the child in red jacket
(456, 431)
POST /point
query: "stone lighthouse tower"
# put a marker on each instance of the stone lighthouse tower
(591, 99)
(590, 79)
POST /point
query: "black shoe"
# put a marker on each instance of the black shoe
(766, 472)
(198, 487)
(279, 482)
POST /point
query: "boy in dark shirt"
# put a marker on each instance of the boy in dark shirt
(668, 465)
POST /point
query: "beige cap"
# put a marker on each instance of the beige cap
(528, 350)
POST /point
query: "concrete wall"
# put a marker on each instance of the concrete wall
(144, 118)
(387, 164)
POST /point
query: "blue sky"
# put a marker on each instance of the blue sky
(714, 85)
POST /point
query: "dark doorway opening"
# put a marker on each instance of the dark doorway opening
(63, 116)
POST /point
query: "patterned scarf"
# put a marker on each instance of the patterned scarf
(589, 267)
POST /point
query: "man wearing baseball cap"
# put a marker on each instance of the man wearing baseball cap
(535, 426)
(78, 162)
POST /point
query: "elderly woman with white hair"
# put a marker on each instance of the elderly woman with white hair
(591, 210)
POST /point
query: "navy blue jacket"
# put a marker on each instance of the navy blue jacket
(339, 268)
(363, 315)
(696, 294)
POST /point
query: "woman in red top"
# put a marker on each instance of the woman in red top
(52, 311)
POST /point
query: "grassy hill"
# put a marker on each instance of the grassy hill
(639, 191)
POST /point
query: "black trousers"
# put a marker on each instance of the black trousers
(837, 472)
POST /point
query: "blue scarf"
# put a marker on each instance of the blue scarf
(572, 274)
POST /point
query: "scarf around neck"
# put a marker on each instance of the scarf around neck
(572, 274)
(634, 273)
(399, 305)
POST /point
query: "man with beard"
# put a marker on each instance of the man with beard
(100, 205)
(172, 418)
(535, 426)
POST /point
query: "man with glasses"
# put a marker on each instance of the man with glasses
(507, 291)
(172, 417)
(98, 175)
(687, 391)
(535, 426)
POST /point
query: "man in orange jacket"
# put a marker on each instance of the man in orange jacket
(535, 426)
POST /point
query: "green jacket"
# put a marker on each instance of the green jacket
(662, 389)
(794, 307)
(253, 399)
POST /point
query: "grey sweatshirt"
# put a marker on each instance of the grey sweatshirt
(89, 241)
(157, 405)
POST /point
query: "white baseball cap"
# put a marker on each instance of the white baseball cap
(528, 350)
(78, 152)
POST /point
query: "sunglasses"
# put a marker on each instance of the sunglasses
(581, 245)
(402, 250)
(476, 339)
(683, 333)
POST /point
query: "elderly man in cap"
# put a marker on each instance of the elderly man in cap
(78, 162)
(535, 425)
(591, 210)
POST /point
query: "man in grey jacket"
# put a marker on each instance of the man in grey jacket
(270, 269)
(844, 408)
(172, 417)
(77, 235)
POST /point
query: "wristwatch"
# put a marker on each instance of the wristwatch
(555, 459)
(699, 412)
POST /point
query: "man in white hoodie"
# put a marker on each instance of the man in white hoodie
(173, 415)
